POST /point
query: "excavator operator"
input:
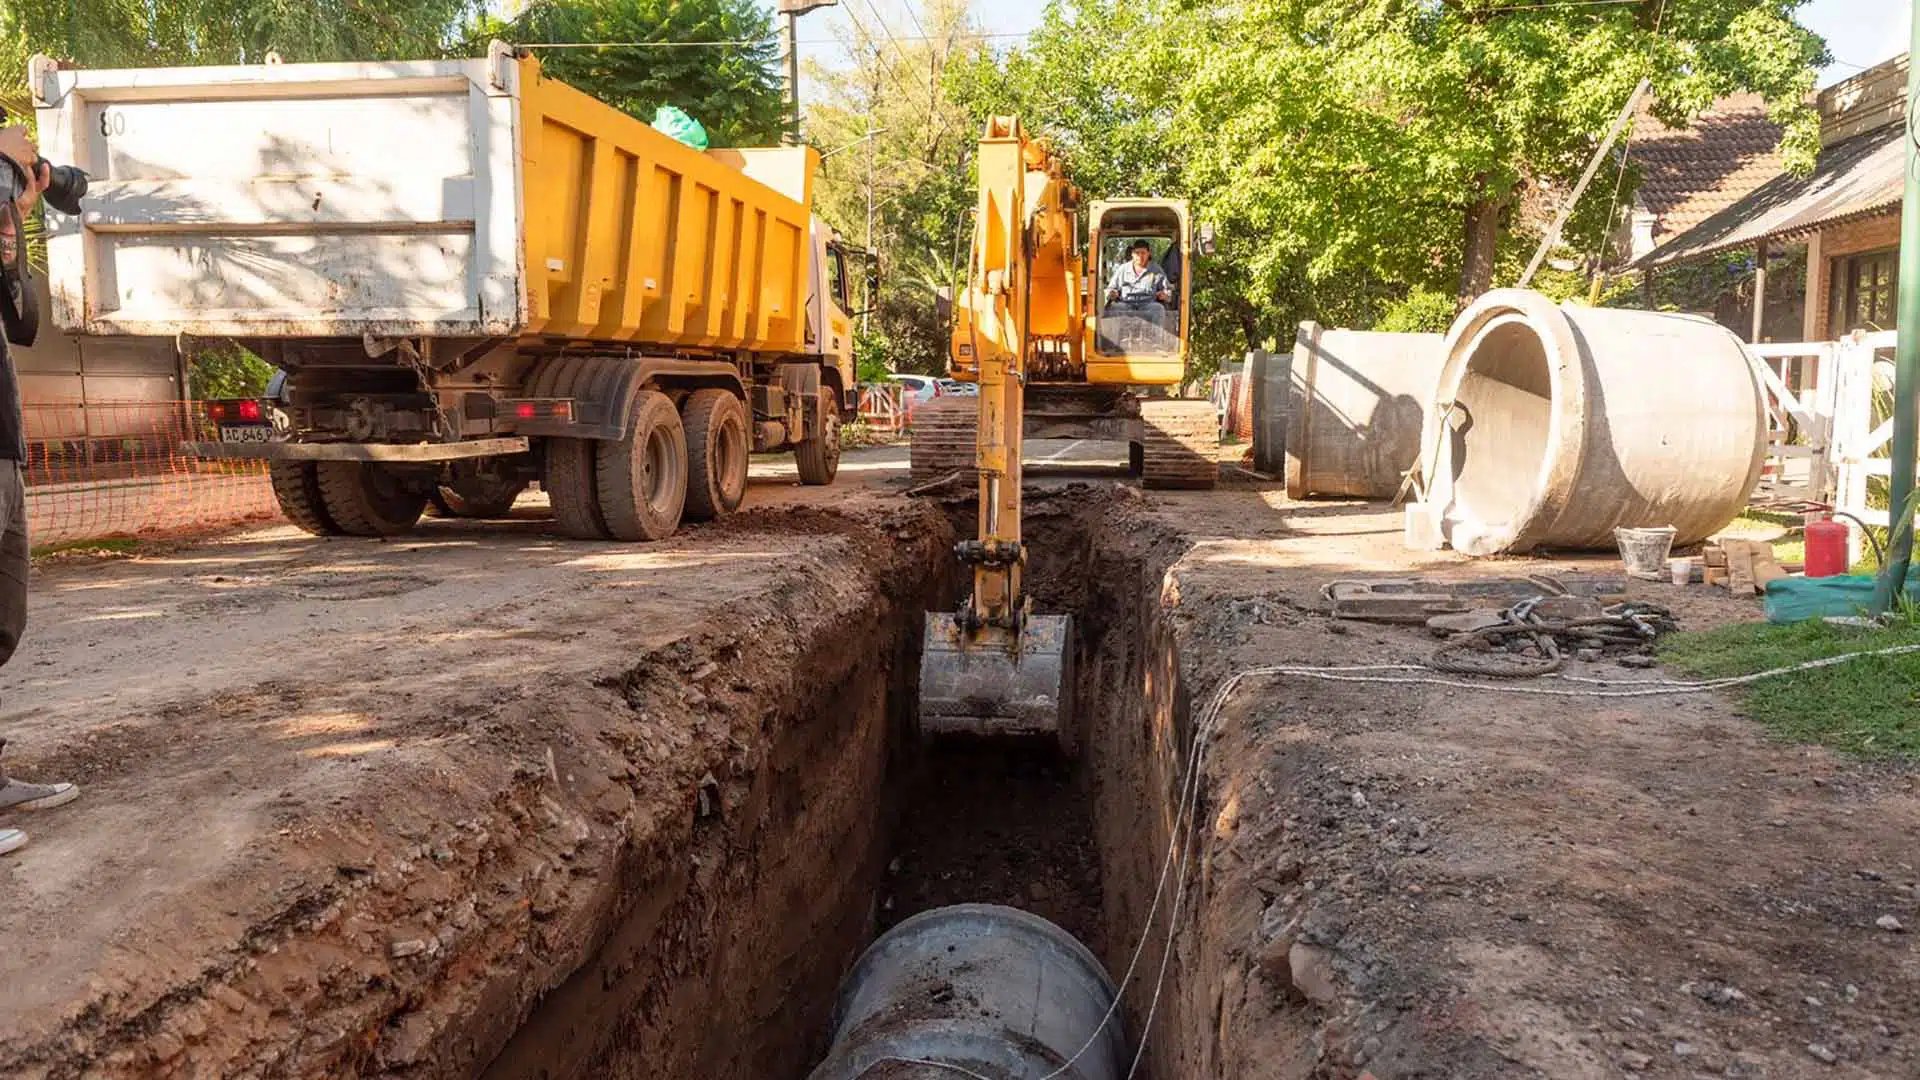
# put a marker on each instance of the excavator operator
(1139, 285)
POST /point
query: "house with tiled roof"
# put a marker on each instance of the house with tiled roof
(1846, 212)
(1688, 174)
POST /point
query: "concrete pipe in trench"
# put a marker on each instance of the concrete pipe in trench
(1554, 425)
(975, 990)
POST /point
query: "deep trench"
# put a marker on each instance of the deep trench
(855, 824)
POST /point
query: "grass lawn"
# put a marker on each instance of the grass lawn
(1869, 706)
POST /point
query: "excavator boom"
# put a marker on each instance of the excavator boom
(994, 668)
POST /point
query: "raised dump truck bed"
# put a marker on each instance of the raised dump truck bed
(473, 276)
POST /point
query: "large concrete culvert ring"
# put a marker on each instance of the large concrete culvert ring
(976, 990)
(1554, 425)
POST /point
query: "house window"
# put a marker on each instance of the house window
(1866, 295)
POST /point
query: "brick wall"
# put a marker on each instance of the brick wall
(1837, 242)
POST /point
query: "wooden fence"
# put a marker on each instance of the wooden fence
(1828, 426)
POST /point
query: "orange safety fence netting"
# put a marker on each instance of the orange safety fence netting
(115, 468)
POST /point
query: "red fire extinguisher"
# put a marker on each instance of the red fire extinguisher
(1826, 547)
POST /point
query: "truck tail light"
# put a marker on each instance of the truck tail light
(541, 409)
(249, 410)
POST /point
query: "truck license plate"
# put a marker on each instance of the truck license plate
(258, 433)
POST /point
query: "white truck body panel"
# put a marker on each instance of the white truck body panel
(322, 200)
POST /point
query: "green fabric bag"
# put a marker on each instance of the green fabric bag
(672, 121)
(1797, 599)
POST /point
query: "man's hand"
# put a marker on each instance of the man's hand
(1163, 296)
(16, 144)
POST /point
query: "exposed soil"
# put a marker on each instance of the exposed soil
(983, 824)
(356, 808)
(595, 810)
(1422, 881)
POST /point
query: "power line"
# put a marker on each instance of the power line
(1550, 5)
(887, 30)
(724, 42)
(917, 24)
(873, 43)
(644, 44)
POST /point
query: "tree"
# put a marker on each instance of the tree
(912, 170)
(732, 88)
(225, 370)
(1354, 151)
(113, 33)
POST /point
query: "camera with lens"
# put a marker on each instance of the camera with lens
(66, 185)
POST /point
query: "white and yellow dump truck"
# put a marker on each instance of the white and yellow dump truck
(472, 278)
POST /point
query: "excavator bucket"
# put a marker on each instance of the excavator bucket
(994, 683)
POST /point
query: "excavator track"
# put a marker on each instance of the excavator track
(942, 439)
(1180, 443)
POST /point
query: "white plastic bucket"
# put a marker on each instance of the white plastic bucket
(1644, 551)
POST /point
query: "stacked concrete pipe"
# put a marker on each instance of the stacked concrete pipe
(1355, 409)
(1552, 426)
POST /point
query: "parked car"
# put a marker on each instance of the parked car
(955, 386)
(917, 389)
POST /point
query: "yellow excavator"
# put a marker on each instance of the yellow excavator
(1058, 349)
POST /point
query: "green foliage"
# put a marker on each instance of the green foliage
(905, 335)
(1340, 146)
(1422, 311)
(115, 33)
(1869, 706)
(732, 90)
(914, 171)
(870, 357)
(106, 547)
(227, 371)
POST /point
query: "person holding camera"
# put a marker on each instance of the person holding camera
(23, 176)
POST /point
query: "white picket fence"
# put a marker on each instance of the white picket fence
(1824, 436)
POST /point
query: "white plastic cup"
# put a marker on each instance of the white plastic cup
(1682, 570)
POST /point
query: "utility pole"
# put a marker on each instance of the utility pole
(791, 10)
(1906, 362)
(866, 311)
(1566, 211)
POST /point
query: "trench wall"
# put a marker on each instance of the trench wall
(715, 943)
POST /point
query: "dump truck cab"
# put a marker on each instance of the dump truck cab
(830, 305)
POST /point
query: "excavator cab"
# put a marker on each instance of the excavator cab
(1139, 278)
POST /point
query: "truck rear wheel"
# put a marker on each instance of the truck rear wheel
(571, 488)
(717, 447)
(365, 499)
(819, 457)
(297, 489)
(642, 477)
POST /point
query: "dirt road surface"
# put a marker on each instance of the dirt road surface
(358, 808)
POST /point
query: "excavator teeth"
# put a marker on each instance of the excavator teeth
(994, 683)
